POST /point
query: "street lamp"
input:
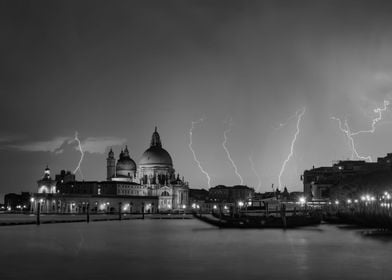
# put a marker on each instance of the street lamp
(32, 204)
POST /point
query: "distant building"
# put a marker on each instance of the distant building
(197, 196)
(233, 194)
(17, 202)
(219, 193)
(318, 182)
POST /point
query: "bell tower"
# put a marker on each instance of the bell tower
(111, 165)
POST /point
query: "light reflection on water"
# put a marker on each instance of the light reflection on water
(189, 249)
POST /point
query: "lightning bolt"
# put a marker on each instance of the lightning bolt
(346, 130)
(252, 166)
(299, 114)
(287, 121)
(76, 139)
(379, 112)
(228, 153)
(350, 135)
(193, 151)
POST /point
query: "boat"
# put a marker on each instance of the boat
(271, 214)
(266, 222)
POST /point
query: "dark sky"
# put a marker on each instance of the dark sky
(112, 70)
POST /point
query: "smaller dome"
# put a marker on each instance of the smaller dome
(126, 164)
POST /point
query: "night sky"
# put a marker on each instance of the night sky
(113, 70)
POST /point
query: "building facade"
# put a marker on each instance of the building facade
(151, 184)
(318, 182)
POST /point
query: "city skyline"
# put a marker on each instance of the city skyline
(112, 72)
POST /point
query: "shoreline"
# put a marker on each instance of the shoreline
(30, 219)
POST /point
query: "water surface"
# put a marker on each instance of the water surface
(189, 249)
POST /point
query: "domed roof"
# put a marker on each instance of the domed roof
(126, 163)
(156, 154)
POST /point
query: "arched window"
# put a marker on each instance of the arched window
(165, 193)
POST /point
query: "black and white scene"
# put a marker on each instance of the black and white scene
(196, 139)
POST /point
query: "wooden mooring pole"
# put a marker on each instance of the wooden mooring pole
(283, 215)
(38, 213)
(88, 213)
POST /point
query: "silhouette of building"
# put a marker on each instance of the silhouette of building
(318, 182)
(233, 194)
(17, 202)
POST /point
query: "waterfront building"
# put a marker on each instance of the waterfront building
(46, 184)
(152, 185)
(318, 183)
(17, 202)
(232, 194)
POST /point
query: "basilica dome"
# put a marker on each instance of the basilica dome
(125, 165)
(156, 155)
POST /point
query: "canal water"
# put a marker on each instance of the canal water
(189, 249)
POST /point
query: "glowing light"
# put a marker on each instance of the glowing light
(300, 114)
(337, 202)
(349, 201)
(81, 157)
(215, 207)
(350, 134)
(194, 154)
(228, 153)
(302, 200)
(252, 166)
(240, 204)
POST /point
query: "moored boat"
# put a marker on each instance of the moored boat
(271, 214)
(261, 222)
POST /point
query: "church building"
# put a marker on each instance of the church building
(151, 185)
